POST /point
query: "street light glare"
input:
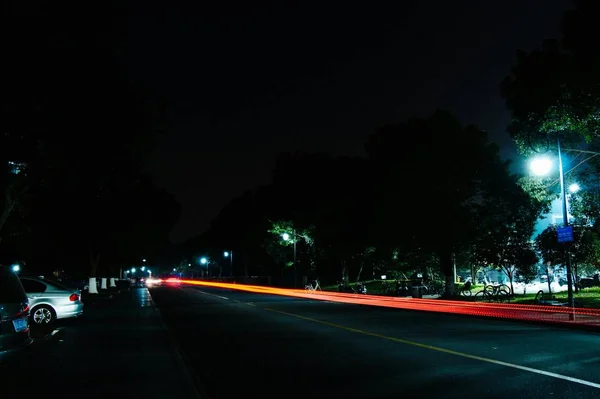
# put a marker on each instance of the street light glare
(541, 166)
(203, 261)
(226, 254)
(133, 270)
(285, 236)
(574, 188)
(16, 268)
(144, 260)
(143, 268)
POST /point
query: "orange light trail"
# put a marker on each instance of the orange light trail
(553, 314)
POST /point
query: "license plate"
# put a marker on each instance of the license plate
(20, 324)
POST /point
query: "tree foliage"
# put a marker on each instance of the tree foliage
(555, 90)
(427, 191)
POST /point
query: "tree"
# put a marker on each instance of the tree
(439, 211)
(87, 129)
(555, 90)
(507, 225)
(584, 250)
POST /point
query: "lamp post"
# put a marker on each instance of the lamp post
(540, 167)
(204, 261)
(286, 237)
(229, 254)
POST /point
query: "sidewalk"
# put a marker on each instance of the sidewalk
(118, 349)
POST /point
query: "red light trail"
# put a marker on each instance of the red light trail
(553, 314)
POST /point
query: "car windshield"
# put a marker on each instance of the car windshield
(11, 290)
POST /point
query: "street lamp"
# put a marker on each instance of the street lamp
(573, 188)
(542, 166)
(144, 260)
(16, 268)
(229, 254)
(143, 268)
(286, 237)
(133, 270)
(204, 261)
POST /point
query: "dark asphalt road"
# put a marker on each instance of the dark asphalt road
(247, 345)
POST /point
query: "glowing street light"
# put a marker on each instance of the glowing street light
(143, 268)
(203, 261)
(285, 236)
(16, 268)
(144, 260)
(133, 270)
(573, 188)
(541, 166)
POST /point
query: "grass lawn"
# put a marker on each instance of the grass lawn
(588, 298)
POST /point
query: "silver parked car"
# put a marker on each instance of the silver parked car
(50, 300)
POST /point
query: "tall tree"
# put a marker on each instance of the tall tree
(92, 124)
(506, 224)
(554, 91)
(433, 179)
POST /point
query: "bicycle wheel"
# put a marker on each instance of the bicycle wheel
(480, 296)
(489, 290)
(466, 292)
(504, 287)
(503, 295)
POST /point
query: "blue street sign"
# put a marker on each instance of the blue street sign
(565, 234)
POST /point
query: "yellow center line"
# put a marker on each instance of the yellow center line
(442, 350)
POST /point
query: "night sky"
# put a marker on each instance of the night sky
(246, 82)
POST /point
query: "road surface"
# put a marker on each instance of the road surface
(239, 344)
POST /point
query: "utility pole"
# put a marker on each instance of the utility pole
(570, 300)
(295, 272)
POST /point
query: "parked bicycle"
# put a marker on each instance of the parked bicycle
(494, 292)
(465, 290)
(434, 288)
(315, 287)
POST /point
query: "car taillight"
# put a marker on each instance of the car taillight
(74, 297)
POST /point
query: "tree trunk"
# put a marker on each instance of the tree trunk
(359, 272)
(94, 261)
(576, 285)
(447, 268)
(103, 285)
(113, 284)
(345, 277)
(548, 275)
(9, 205)
(510, 279)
